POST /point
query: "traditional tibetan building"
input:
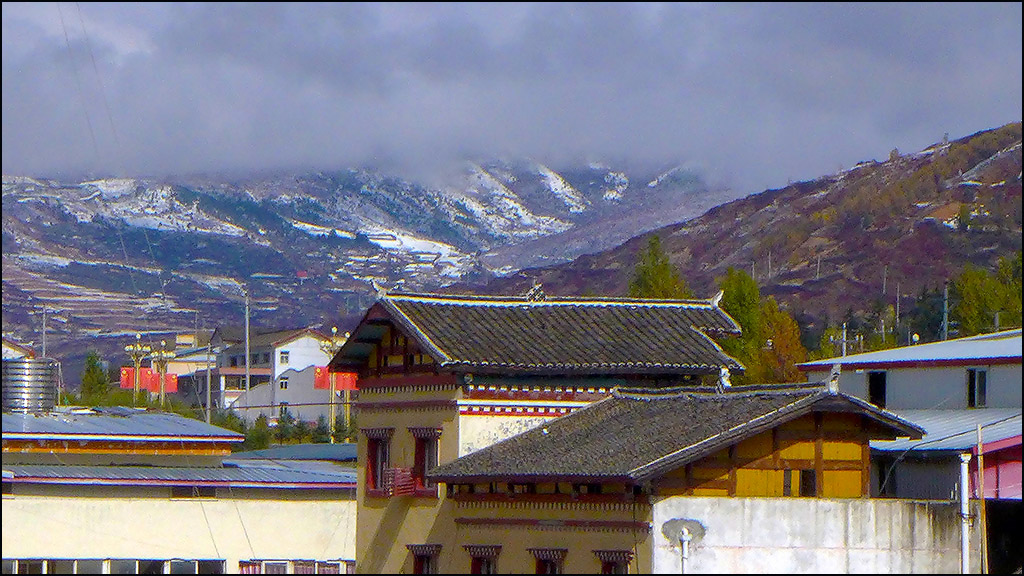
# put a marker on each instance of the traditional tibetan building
(616, 486)
(441, 377)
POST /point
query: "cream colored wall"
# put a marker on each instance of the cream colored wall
(107, 525)
(478, 431)
(386, 525)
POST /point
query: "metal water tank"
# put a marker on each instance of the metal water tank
(30, 385)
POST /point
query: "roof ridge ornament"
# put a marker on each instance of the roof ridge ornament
(536, 294)
(717, 298)
(723, 380)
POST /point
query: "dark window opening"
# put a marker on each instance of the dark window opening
(424, 564)
(481, 565)
(808, 483)
(377, 461)
(977, 384)
(193, 492)
(876, 388)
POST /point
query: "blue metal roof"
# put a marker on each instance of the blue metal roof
(955, 430)
(1002, 345)
(113, 423)
(179, 476)
(341, 452)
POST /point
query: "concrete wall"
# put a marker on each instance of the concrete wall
(112, 525)
(809, 535)
(933, 388)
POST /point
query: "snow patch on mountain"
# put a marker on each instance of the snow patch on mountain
(562, 189)
(618, 183)
(316, 230)
(502, 212)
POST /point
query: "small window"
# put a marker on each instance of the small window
(284, 356)
(799, 483)
(876, 388)
(808, 483)
(283, 382)
(483, 558)
(481, 565)
(977, 384)
(328, 568)
(183, 566)
(548, 560)
(304, 567)
(425, 458)
(378, 460)
(275, 567)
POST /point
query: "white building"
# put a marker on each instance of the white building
(977, 372)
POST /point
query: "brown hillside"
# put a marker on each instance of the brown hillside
(830, 245)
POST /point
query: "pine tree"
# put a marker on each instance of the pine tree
(654, 276)
(94, 379)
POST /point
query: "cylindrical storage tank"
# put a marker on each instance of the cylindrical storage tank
(29, 385)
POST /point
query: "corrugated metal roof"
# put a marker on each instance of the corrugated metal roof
(341, 452)
(1005, 344)
(117, 423)
(180, 476)
(955, 429)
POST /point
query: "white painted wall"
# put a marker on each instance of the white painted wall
(809, 536)
(303, 352)
(284, 527)
(478, 431)
(933, 388)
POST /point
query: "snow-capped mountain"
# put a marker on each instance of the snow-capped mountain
(118, 255)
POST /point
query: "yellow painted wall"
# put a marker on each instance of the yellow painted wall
(760, 467)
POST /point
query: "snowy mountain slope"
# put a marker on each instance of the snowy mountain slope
(309, 245)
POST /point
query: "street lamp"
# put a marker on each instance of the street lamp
(137, 352)
(331, 347)
(160, 358)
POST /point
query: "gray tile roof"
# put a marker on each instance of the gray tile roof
(558, 335)
(635, 435)
(112, 423)
(178, 476)
(955, 430)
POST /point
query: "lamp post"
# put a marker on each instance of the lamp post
(331, 347)
(160, 358)
(137, 352)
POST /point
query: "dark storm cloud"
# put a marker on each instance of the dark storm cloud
(754, 94)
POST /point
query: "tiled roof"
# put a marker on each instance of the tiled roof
(113, 424)
(633, 435)
(271, 339)
(591, 335)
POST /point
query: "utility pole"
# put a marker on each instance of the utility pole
(945, 310)
(897, 327)
(44, 331)
(137, 352)
(331, 348)
(208, 383)
(817, 270)
(885, 277)
(161, 357)
(844, 339)
(246, 403)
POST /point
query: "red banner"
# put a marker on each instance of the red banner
(342, 380)
(148, 380)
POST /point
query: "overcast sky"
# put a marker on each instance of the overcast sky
(754, 95)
